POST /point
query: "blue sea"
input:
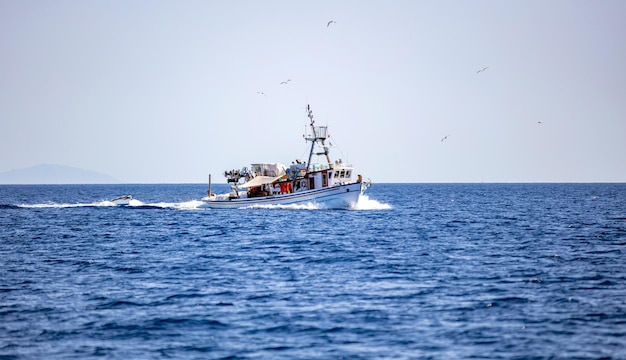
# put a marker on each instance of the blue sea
(415, 271)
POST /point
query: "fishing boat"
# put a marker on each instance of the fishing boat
(327, 184)
(122, 200)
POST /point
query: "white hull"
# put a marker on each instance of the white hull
(122, 200)
(335, 197)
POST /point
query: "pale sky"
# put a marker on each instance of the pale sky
(167, 91)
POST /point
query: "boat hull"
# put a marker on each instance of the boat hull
(335, 197)
(122, 200)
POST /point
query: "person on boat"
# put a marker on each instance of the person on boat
(254, 191)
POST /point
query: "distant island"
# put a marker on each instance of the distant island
(55, 174)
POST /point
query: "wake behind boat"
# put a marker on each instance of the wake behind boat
(329, 183)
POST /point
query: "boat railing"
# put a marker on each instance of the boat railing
(318, 133)
(319, 167)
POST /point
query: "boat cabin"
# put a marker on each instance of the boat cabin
(277, 179)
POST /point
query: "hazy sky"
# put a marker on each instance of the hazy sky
(167, 91)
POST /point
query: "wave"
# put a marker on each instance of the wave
(8, 206)
(47, 205)
(365, 203)
(186, 205)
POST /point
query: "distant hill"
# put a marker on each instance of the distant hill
(54, 174)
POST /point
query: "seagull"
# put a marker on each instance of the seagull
(285, 82)
(331, 22)
(444, 138)
(539, 122)
(261, 93)
(481, 70)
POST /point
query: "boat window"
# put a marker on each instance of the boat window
(342, 173)
(348, 174)
(336, 174)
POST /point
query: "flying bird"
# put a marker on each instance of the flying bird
(444, 138)
(331, 22)
(481, 70)
(261, 93)
(285, 82)
(539, 122)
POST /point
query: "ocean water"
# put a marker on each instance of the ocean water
(416, 271)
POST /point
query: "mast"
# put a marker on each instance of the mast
(209, 190)
(318, 134)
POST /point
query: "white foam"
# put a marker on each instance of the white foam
(62, 206)
(135, 202)
(307, 206)
(365, 203)
(187, 205)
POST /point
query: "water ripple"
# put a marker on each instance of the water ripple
(443, 271)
